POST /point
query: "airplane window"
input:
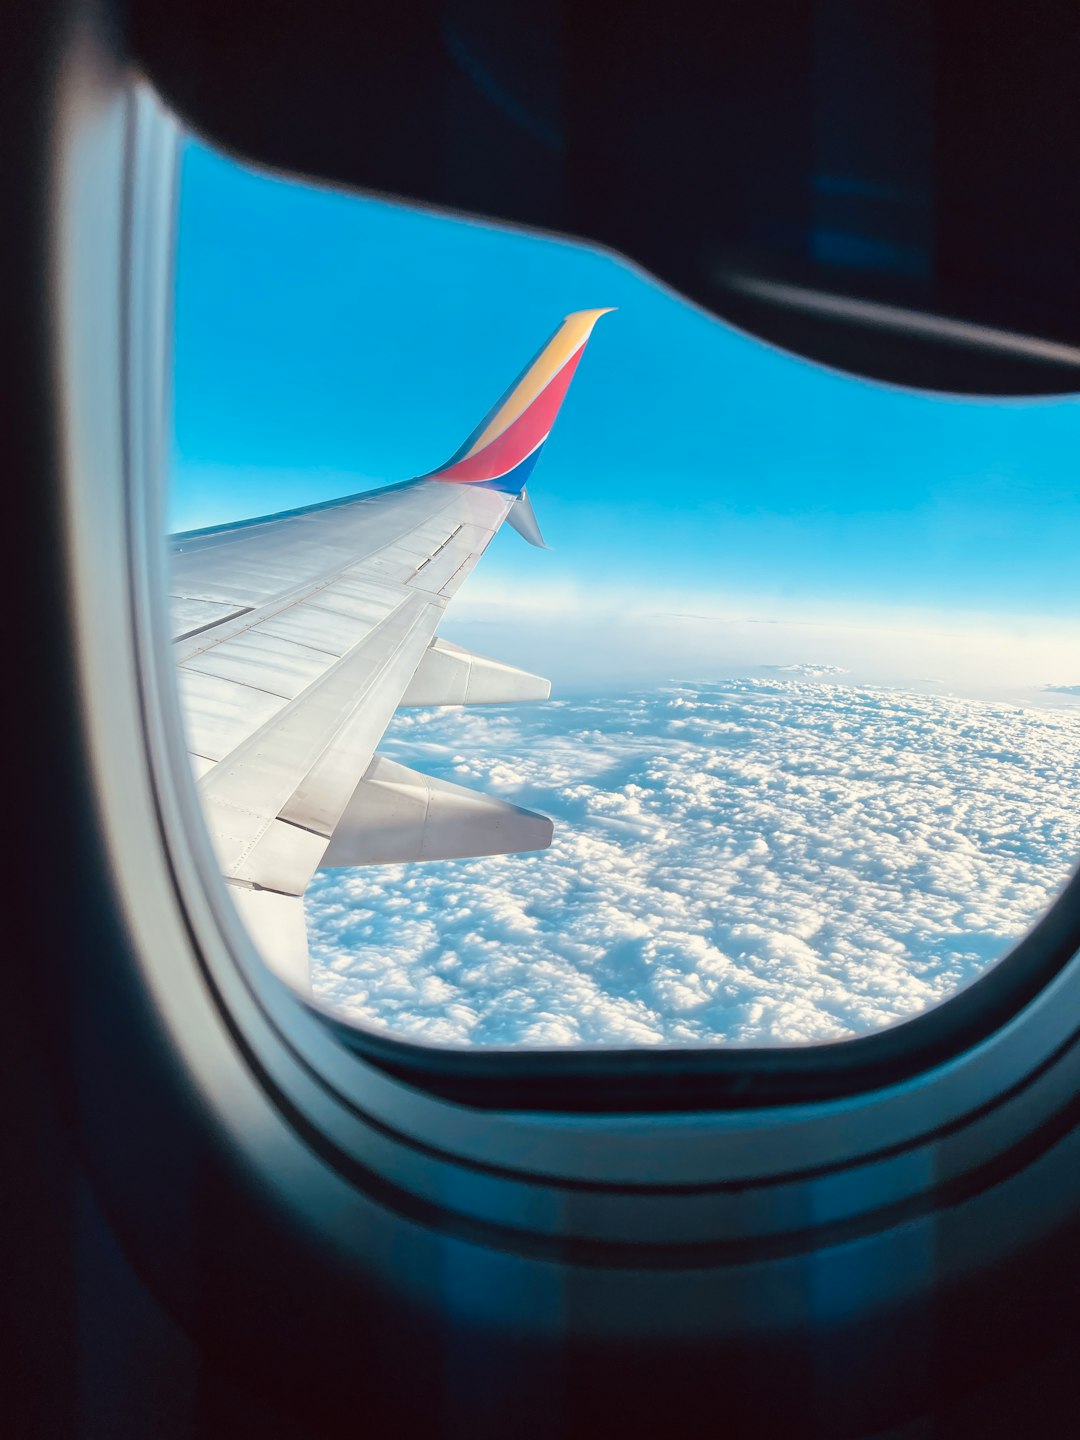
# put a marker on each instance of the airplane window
(810, 762)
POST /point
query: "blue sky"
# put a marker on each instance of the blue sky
(326, 343)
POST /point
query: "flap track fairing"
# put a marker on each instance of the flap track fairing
(397, 814)
(449, 675)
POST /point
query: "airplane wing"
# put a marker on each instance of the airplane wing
(298, 635)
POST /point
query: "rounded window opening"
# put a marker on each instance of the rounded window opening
(809, 762)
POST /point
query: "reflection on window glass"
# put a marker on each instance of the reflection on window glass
(812, 752)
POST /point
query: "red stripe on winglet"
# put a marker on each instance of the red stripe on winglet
(519, 439)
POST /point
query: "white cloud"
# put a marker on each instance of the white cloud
(756, 861)
(811, 668)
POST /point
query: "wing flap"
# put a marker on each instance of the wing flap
(302, 767)
(276, 926)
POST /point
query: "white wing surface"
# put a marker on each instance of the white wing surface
(297, 636)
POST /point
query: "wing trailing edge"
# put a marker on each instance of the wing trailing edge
(395, 815)
(276, 926)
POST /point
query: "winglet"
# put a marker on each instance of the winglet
(502, 450)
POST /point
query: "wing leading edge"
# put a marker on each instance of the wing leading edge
(296, 636)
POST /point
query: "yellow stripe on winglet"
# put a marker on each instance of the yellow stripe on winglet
(568, 338)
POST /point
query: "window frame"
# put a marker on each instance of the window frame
(454, 1137)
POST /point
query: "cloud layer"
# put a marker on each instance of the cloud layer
(755, 862)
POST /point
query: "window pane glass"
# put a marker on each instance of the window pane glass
(811, 753)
